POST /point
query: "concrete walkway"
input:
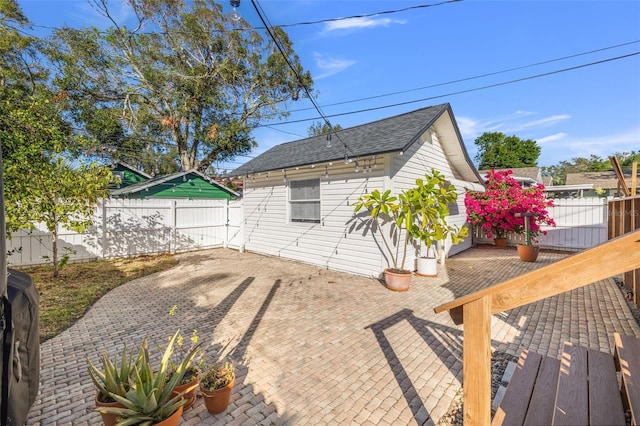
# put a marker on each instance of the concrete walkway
(319, 347)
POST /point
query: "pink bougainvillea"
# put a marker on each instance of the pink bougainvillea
(494, 210)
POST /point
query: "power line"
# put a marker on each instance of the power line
(319, 21)
(386, 12)
(475, 77)
(264, 20)
(504, 83)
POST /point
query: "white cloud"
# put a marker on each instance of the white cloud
(355, 23)
(330, 66)
(551, 138)
(546, 122)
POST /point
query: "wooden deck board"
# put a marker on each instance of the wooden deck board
(572, 399)
(513, 408)
(627, 350)
(605, 403)
(544, 394)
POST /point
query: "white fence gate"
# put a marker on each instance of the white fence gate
(124, 228)
(581, 223)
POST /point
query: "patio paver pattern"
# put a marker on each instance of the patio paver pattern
(319, 347)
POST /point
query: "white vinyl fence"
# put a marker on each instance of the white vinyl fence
(581, 223)
(124, 228)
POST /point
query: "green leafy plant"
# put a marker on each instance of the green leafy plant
(114, 377)
(420, 213)
(182, 349)
(429, 208)
(218, 375)
(151, 398)
(384, 208)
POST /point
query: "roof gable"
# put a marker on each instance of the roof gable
(391, 134)
(128, 175)
(191, 184)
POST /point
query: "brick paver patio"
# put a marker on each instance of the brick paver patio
(319, 347)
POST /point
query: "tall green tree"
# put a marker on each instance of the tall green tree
(39, 184)
(498, 151)
(183, 76)
(322, 128)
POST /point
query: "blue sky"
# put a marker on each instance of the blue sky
(430, 55)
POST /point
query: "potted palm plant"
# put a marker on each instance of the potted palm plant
(216, 386)
(151, 399)
(386, 209)
(429, 207)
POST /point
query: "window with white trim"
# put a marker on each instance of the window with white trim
(304, 200)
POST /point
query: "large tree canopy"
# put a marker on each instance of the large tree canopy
(184, 80)
(498, 151)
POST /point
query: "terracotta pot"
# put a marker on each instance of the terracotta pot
(217, 400)
(108, 419)
(397, 279)
(427, 267)
(190, 396)
(500, 242)
(528, 253)
(173, 420)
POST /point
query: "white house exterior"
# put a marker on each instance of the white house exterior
(299, 196)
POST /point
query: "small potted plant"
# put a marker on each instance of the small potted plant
(112, 379)
(429, 202)
(384, 209)
(189, 382)
(151, 399)
(216, 385)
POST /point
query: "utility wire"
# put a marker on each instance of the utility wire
(264, 20)
(319, 21)
(386, 12)
(475, 77)
(504, 83)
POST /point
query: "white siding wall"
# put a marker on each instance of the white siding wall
(340, 242)
(337, 242)
(420, 159)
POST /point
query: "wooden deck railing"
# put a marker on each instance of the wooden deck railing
(614, 257)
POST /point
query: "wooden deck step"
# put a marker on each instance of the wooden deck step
(627, 360)
(581, 388)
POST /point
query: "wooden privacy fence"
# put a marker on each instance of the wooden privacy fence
(624, 216)
(124, 228)
(581, 223)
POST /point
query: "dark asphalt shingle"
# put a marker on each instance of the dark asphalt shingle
(387, 135)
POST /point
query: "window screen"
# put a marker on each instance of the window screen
(304, 200)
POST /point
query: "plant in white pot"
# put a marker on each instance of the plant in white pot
(429, 206)
(386, 209)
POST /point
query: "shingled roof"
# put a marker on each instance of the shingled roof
(391, 134)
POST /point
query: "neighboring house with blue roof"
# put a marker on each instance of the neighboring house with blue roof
(298, 196)
(182, 185)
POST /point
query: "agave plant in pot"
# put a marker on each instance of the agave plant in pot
(151, 399)
(216, 386)
(390, 214)
(112, 379)
(429, 206)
